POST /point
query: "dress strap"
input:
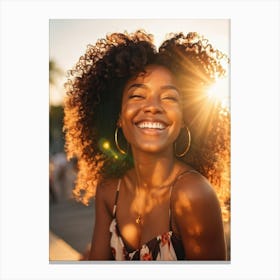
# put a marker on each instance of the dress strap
(116, 198)
(170, 194)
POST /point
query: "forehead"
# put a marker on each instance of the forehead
(153, 74)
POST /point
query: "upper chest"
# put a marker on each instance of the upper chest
(142, 217)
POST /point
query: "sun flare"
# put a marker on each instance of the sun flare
(219, 92)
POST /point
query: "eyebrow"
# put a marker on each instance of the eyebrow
(136, 86)
(144, 86)
(170, 87)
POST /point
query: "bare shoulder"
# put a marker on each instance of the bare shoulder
(195, 201)
(193, 188)
(107, 186)
(197, 217)
(106, 192)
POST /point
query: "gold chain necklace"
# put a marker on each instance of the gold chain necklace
(139, 220)
(139, 216)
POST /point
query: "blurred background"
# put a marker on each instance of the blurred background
(71, 223)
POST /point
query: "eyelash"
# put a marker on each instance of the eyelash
(170, 98)
(139, 96)
(136, 96)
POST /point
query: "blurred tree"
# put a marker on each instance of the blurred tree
(54, 72)
(56, 136)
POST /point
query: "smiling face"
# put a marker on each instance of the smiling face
(151, 115)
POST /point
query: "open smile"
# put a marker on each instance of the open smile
(154, 125)
(151, 125)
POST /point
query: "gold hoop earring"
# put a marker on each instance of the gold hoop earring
(188, 145)
(117, 143)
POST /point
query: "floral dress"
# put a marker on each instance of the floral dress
(165, 247)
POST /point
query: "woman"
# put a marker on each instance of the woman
(148, 144)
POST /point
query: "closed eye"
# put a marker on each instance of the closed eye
(136, 96)
(170, 98)
(170, 92)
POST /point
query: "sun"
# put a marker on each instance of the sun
(219, 92)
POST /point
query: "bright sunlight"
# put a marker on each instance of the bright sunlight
(219, 92)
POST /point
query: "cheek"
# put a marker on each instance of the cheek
(127, 114)
(176, 114)
(130, 110)
(126, 120)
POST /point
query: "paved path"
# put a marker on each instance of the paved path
(62, 251)
(71, 227)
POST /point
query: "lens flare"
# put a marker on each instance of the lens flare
(105, 147)
(219, 92)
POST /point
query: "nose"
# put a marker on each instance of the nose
(153, 106)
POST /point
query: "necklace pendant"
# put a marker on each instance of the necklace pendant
(138, 220)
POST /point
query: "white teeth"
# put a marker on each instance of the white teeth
(154, 125)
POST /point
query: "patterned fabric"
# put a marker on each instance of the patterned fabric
(160, 248)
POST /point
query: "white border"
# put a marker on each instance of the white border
(255, 138)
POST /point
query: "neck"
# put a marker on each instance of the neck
(154, 170)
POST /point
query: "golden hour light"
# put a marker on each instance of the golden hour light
(157, 161)
(219, 92)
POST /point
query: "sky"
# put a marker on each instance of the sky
(68, 38)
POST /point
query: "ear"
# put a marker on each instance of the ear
(119, 122)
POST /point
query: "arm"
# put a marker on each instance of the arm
(100, 246)
(198, 219)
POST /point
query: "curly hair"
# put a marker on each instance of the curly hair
(93, 104)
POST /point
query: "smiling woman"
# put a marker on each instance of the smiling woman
(151, 147)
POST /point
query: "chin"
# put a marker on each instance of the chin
(153, 149)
